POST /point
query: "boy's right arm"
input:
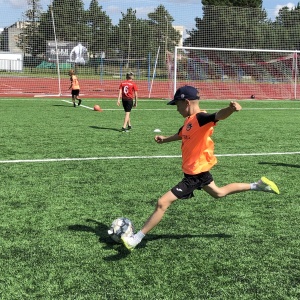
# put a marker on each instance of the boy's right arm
(163, 139)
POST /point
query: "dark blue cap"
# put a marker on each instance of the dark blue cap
(185, 92)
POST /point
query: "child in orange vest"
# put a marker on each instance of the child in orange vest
(75, 88)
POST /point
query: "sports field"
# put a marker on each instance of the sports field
(67, 173)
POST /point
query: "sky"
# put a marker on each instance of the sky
(183, 11)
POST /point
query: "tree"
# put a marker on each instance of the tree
(29, 39)
(163, 33)
(69, 20)
(228, 27)
(99, 30)
(125, 35)
(239, 3)
(287, 24)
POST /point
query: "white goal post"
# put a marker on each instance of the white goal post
(225, 73)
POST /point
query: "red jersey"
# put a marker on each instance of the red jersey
(128, 88)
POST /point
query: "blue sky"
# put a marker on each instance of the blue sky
(183, 11)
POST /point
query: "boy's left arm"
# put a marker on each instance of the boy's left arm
(227, 111)
(135, 99)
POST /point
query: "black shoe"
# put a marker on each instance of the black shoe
(124, 129)
(129, 127)
(79, 102)
(74, 104)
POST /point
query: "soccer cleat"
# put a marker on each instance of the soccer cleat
(74, 104)
(128, 242)
(129, 127)
(124, 129)
(266, 185)
(79, 102)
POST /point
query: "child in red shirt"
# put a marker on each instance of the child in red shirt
(128, 92)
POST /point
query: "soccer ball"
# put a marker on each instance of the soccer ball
(120, 226)
(97, 108)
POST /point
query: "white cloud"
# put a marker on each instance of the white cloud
(142, 12)
(15, 3)
(290, 5)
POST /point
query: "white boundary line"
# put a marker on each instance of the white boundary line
(170, 109)
(135, 157)
(80, 104)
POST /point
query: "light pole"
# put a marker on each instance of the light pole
(129, 45)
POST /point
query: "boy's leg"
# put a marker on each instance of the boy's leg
(264, 185)
(126, 119)
(162, 205)
(73, 100)
(232, 188)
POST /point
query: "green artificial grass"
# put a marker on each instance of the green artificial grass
(55, 210)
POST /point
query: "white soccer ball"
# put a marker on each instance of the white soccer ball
(120, 226)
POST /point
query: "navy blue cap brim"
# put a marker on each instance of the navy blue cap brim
(172, 102)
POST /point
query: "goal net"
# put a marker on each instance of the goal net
(222, 73)
(102, 46)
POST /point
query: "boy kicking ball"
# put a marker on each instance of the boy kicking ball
(197, 159)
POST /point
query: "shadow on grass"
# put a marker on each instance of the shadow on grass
(152, 237)
(64, 105)
(279, 164)
(100, 230)
(105, 128)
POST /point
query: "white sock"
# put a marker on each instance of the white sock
(139, 236)
(253, 186)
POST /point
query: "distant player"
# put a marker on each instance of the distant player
(75, 88)
(128, 92)
(198, 158)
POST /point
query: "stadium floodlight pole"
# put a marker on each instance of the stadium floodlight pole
(56, 50)
(166, 41)
(175, 69)
(129, 46)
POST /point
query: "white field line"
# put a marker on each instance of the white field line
(80, 105)
(170, 109)
(135, 157)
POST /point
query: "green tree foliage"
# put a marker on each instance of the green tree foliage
(125, 33)
(239, 3)
(137, 38)
(29, 39)
(69, 20)
(99, 31)
(228, 28)
(287, 23)
(162, 32)
(69, 16)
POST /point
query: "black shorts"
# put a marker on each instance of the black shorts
(127, 105)
(185, 188)
(75, 92)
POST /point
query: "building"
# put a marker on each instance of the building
(10, 37)
(180, 29)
